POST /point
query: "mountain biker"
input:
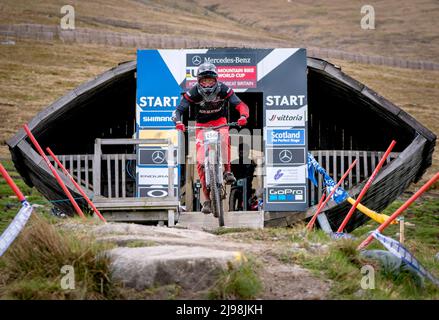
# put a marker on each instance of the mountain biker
(209, 98)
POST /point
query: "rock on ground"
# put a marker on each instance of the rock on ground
(192, 268)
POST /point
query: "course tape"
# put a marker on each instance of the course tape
(15, 227)
(401, 252)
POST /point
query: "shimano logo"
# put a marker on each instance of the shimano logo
(156, 119)
(283, 101)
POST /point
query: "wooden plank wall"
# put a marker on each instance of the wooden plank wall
(336, 162)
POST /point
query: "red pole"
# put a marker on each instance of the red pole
(78, 187)
(366, 186)
(313, 219)
(57, 177)
(12, 184)
(384, 225)
(311, 223)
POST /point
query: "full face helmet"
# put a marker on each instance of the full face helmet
(207, 77)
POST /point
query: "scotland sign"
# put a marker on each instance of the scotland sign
(290, 137)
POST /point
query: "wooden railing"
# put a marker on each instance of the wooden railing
(110, 180)
(80, 167)
(336, 162)
(107, 175)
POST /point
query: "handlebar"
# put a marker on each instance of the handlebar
(230, 124)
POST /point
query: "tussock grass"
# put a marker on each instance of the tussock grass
(32, 265)
(224, 230)
(140, 243)
(239, 281)
(342, 264)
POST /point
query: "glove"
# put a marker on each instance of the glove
(180, 126)
(242, 121)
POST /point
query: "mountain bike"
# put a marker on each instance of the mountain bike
(213, 168)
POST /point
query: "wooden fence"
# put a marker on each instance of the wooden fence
(336, 162)
(84, 35)
(115, 173)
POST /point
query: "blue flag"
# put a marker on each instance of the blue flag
(14, 228)
(340, 194)
(401, 252)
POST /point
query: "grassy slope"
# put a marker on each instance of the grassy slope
(414, 91)
(34, 74)
(176, 18)
(405, 30)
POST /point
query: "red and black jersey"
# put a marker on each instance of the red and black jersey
(212, 109)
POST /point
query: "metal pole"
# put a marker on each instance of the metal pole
(366, 187)
(77, 186)
(401, 230)
(57, 177)
(12, 184)
(170, 169)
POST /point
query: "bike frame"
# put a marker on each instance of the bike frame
(213, 166)
(212, 141)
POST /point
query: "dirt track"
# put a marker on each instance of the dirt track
(280, 280)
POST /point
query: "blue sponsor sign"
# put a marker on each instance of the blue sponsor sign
(292, 137)
(156, 119)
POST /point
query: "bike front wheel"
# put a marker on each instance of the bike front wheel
(215, 190)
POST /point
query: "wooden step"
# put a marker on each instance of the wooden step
(235, 219)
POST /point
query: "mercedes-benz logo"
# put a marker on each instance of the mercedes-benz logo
(285, 156)
(196, 60)
(158, 157)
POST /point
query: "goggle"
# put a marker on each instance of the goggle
(207, 82)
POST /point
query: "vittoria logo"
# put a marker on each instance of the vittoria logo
(285, 117)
